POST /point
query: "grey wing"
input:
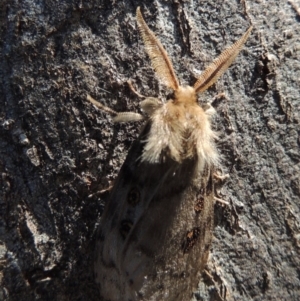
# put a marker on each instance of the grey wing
(172, 240)
(154, 236)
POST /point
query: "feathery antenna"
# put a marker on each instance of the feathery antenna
(158, 55)
(220, 64)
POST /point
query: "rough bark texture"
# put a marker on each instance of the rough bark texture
(57, 152)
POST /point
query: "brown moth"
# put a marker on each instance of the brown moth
(156, 229)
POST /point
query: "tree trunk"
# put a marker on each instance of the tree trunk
(58, 152)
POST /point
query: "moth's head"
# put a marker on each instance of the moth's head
(185, 94)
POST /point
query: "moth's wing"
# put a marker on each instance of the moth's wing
(116, 222)
(211, 74)
(152, 241)
(168, 247)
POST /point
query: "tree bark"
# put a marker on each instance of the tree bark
(58, 152)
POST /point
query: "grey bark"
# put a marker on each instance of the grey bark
(58, 152)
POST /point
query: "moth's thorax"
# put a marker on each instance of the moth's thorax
(180, 129)
(185, 94)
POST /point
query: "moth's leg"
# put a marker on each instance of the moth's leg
(217, 283)
(219, 179)
(208, 109)
(133, 90)
(106, 189)
(117, 116)
(210, 276)
(149, 104)
(101, 106)
(221, 201)
(295, 6)
(219, 96)
(101, 192)
(128, 117)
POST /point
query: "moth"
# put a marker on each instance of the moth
(155, 233)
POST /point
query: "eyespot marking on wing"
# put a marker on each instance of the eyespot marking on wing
(134, 196)
(125, 228)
